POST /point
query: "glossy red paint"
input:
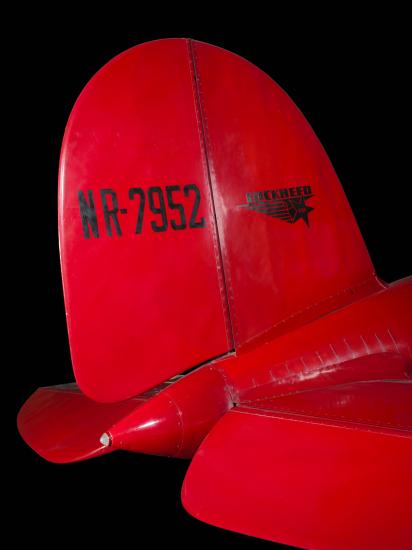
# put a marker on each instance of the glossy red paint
(304, 416)
(173, 113)
(377, 366)
(63, 425)
(386, 403)
(258, 140)
(306, 481)
(379, 323)
(140, 307)
(174, 422)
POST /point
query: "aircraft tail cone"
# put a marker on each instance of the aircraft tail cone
(155, 428)
(175, 421)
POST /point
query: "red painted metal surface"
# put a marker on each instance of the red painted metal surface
(175, 422)
(258, 140)
(307, 355)
(309, 481)
(200, 218)
(386, 403)
(377, 366)
(129, 297)
(63, 425)
(141, 307)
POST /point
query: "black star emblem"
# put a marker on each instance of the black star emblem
(299, 209)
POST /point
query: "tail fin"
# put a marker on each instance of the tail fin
(288, 237)
(197, 209)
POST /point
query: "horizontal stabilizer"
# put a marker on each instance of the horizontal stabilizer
(63, 425)
(321, 469)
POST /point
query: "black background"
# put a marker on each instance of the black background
(352, 83)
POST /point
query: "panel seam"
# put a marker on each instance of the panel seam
(222, 275)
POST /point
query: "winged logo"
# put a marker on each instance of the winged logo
(287, 204)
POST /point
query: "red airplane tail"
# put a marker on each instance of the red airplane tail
(221, 304)
(197, 210)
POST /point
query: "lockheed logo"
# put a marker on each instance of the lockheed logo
(288, 204)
